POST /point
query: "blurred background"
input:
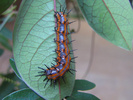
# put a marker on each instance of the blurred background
(106, 65)
(111, 69)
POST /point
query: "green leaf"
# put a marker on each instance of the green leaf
(1, 51)
(10, 84)
(9, 10)
(112, 19)
(33, 47)
(4, 42)
(24, 94)
(4, 4)
(6, 32)
(12, 63)
(82, 96)
(83, 85)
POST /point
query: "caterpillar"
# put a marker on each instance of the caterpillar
(63, 53)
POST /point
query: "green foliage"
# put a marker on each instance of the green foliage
(1, 51)
(12, 63)
(24, 94)
(82, 85)
(31, 95)
(111, 19)
(33, 45)
(10, 83)
(82, 96)
(4, 4)
(8, 11)
(6, 33)
(4, 41)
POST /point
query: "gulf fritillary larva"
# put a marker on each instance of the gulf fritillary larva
(63, 53)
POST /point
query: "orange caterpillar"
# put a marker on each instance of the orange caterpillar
(63, 53)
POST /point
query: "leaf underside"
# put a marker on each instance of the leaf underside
(33, 45)
(111, 19)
